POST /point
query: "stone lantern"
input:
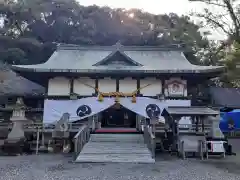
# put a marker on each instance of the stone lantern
(18, 119)
(215, 130)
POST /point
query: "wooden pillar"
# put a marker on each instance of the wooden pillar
(117, 84)
(96, 85)
(197, 122)
(71, 85)
(163, 86)
(175, 131)
(138, 85)
(46, 85)
(203, 124)
(43, 139)
(37, 145)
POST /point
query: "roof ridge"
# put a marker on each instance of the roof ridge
(169, 47)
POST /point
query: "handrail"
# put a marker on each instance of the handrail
(80, 139)
(149, 139)
(50, 126)
(33, 127)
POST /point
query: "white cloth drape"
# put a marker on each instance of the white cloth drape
(140, 106)
(54, 109)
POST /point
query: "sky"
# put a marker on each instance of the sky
(152, 6)
(180, 7)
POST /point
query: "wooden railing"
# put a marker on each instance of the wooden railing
(43, 127)
(160, 128)
(150, 140)
(49, 127)
(80, 139)
(186, 128)
(4, 125)
(194, 128)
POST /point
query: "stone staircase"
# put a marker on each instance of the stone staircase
(118, 148)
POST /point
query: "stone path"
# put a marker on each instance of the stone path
(51, 167)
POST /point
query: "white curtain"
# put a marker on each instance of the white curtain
(54, 109)
(140, 106)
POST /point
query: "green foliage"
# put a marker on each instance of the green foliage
(232, 61)
(13, 56)
(32, 26)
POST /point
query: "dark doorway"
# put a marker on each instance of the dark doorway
(118, 116)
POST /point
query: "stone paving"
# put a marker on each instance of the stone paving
(59, 167)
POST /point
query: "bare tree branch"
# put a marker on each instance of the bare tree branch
(233, 16)
(214, 22)
(209, 3)
(232, 27)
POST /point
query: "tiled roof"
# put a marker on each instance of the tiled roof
(225, 97)
(12, 84)
(191, 111)
(71, 58)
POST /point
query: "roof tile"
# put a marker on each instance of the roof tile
(82, 59)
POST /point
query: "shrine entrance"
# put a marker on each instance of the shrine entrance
(118, 116)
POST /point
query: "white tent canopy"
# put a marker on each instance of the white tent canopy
(86, 107)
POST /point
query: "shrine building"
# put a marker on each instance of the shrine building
(116, 83)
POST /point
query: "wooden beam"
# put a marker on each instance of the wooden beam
(163, 86)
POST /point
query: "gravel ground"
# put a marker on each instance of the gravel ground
(46, 167)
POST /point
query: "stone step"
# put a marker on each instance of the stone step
(115, 148)
(115, 158)
(124, 150)
(114, 145)
(116, 138)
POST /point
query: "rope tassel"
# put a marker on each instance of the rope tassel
(134, 99)
(117, 99)
(100, 97)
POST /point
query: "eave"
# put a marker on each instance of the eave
(219, 69)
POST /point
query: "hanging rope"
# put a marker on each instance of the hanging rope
(101, 95)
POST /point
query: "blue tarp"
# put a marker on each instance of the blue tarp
(226, 116)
